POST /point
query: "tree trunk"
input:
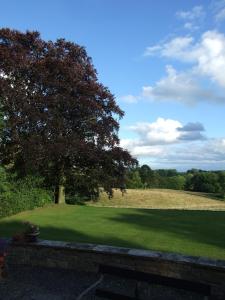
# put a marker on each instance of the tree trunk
(61, 195)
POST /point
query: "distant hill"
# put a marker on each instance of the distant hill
(162, 199)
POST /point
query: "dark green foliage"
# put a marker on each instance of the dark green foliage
(81, 188)
(167, 172)
(20, 195)
(77, 199)
(4, 184)
(175, 182)
(221, 180)
(147, 175)
(205, 182)
(134, 180)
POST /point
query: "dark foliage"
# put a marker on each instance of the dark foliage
(60, 122)
(19, 195)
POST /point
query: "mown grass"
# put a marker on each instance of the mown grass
(198, 233)
(161, 199)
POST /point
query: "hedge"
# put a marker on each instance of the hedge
(17, 196)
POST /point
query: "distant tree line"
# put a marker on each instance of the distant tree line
(192, 180)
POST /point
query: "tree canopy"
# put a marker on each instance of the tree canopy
(59, 121)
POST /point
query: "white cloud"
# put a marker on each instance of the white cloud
(152, 50)
(190, 26)
(209, 154)
(130, 98)
(196, 13)
(153, 136)
(148, 151)
(131, 143)
(139, 149)
(218, 10)
(207, 55)
(162, 131)
(176, 48)
(193, 18)
(218, 146)
(180, 87)
(211, 56)
(180, 48)
(168, 143)
(206, 154)
(202, 80)
(220, 16)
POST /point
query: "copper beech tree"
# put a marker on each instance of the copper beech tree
(59, 121)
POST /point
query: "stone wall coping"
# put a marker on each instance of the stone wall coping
(130, 252)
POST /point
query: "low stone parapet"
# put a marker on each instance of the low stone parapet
(88, 257)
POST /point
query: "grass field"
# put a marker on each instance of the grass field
(191, 232)
(162, 199)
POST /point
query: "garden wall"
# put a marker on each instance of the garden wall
(88, 258)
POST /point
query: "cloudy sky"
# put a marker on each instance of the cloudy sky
(163, 60)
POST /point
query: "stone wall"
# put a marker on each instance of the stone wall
(88, 258)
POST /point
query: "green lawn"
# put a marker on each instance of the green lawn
(182, 231)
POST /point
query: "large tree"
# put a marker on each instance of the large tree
(59, 120)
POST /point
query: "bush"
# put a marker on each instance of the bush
(24, 194)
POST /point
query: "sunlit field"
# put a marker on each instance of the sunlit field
(161, 199)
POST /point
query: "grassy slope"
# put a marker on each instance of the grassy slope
(162, 199)
(181, 231)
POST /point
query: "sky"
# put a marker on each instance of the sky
(163, 60)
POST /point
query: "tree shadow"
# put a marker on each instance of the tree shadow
(206, 227)
(165, 230)
(211, 196)
(12, 228)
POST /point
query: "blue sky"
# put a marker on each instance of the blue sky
(163, 60)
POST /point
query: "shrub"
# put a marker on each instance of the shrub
(24, 194)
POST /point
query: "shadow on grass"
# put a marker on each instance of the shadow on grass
(168, 230)
(207, 227)
(10, 228)
(211, 196)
